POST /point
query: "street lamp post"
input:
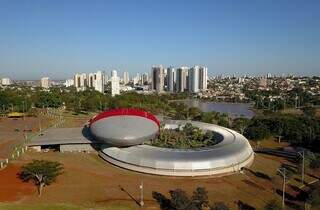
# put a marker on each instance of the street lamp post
(23, 108)
(302, 170)
(282, 171)
(141, 194)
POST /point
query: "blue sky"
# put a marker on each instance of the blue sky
(59, 38)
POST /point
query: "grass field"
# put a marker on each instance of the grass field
(91, 183)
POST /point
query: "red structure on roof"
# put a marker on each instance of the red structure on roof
(125, 111)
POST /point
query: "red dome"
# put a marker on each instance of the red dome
(124, 126)
(125, 111)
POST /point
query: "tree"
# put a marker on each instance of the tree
(179, 199)
(314, 161)
(219, 206)
(41, 172)
(314, 196)
(200, 197)
(240, 124)
(257, 129)
(272, 205)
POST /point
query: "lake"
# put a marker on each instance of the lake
(233, 109)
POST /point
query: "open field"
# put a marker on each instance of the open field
(12, 135)
(90, 182)
(72, 120)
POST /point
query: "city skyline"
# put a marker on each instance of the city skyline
(58, 39)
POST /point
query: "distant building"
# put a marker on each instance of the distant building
(181, 79)
(80, 81)
(6, 81)
(99, 81)
(69, 83)
(157, 73)
(171, 77)
(136, 79)
(263, 82)
(145, 79)
(241, 80)
(115, 83)
(92, 80)
(45, 82)
(269, 75)
(126, 78)
(203, 78)
(193, 79)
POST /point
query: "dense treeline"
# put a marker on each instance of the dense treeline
(297, 129)
(24, 98)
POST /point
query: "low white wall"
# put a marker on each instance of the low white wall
(214, 171)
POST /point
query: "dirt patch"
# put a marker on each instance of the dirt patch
(12, 132)
(12, 188)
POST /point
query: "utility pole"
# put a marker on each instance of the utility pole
(141, 194)
(282, 171)
(40, 125)
(23, 102)
(302, 170)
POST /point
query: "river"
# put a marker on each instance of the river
(233, 109)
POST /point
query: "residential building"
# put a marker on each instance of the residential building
(126, 78)
(193, 79)
(203, 78)
(6, 81)
(45, 82)
(115, 83)
(171, 77)
(69, 83)
(181, 78)
(157, 78)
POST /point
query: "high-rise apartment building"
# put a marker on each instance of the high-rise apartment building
(203, 78)
(45, 82)
(99, 81)
(193, 79)
(171, 77)
(115, 83)
(145, 78)
(92, 80)
(157, 78)
(80, 81)
(126, 78)
(181, 78)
